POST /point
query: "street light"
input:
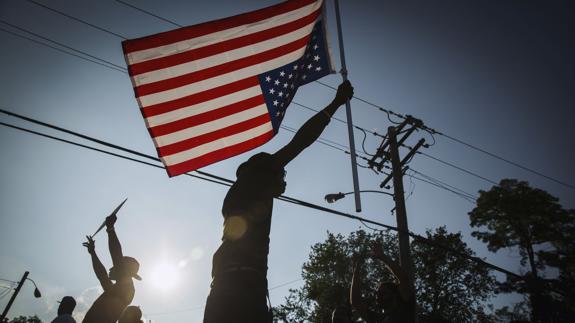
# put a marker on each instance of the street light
(37, 294)
(331, 198)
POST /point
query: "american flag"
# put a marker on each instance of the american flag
(212, 91)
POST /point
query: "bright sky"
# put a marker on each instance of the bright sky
(499, 75)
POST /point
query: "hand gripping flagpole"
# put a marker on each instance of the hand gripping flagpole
(348, 113)
(113, 213)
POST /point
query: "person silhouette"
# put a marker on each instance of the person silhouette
(65, 309)
(396, 301)
(132, 314)
(239, 266)
(116, 296)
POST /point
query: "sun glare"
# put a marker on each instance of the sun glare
(165, 276)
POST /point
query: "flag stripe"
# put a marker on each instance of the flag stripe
(211, 27)
(194, 142)
(225, 68)
(220, 143)
(211, 126)
(223, 46)
(206, 117)
(218, 155)
(198, 97)
(203, 107)
(208, 84)
(220, 58)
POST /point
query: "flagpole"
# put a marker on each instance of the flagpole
(348, 113)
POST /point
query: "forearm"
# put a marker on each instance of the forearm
(114, 246)
(99, 268)
(312, 129)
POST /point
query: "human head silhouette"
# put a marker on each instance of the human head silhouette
(67, 305)
(128, 268)
(262, 166)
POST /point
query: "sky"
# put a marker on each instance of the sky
(497, 74)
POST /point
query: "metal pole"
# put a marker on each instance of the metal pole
(400, 211)
(7, 308)
(348, 113)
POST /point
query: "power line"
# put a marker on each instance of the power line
(321, 140)
(507, 160)
(124, 70)
(445, 184)
(390, 113)
(60, 50)
(433, 131)
(60, 44)
(100, 150)
(77, 19)
(282, 198)
(149, 13)
(458, 168)
(464, 196)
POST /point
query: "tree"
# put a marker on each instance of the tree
(449, 288)
(24, 319)
(515, 215)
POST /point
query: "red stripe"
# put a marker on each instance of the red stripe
(207, 73)
(211, 136)
(198, 30)
(221, 47)
(207, 116)
(160, 108)
(218, 155)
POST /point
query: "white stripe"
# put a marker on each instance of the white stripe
(211, 126)
(209, 39)
(203, 107)
(217, 145)
(222, 58)
(204, 85)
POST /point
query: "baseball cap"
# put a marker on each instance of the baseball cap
(68, 300)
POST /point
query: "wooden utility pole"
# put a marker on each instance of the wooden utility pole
(7, 308)
(400, 211)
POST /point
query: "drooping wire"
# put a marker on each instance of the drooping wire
(435, 180)
(321, 140)
(363, 143)
(61, 50)
(77, 19)
(390, 113)
(61, 44)
(463, 196)
(457, 167)
(149, 13)
(312, 206)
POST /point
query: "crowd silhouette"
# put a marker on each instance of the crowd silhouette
(239, 288)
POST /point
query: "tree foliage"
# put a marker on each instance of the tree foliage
(24, 319)
(449, 288)
(515, 215)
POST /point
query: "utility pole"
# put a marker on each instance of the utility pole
(400, 211)
(7, 308)
(388, 151)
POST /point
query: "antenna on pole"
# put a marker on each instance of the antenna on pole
(348, 113)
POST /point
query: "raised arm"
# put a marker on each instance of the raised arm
(99, 268)
(312, 129)
(395, 269)
(355, 292)
(113, 241)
